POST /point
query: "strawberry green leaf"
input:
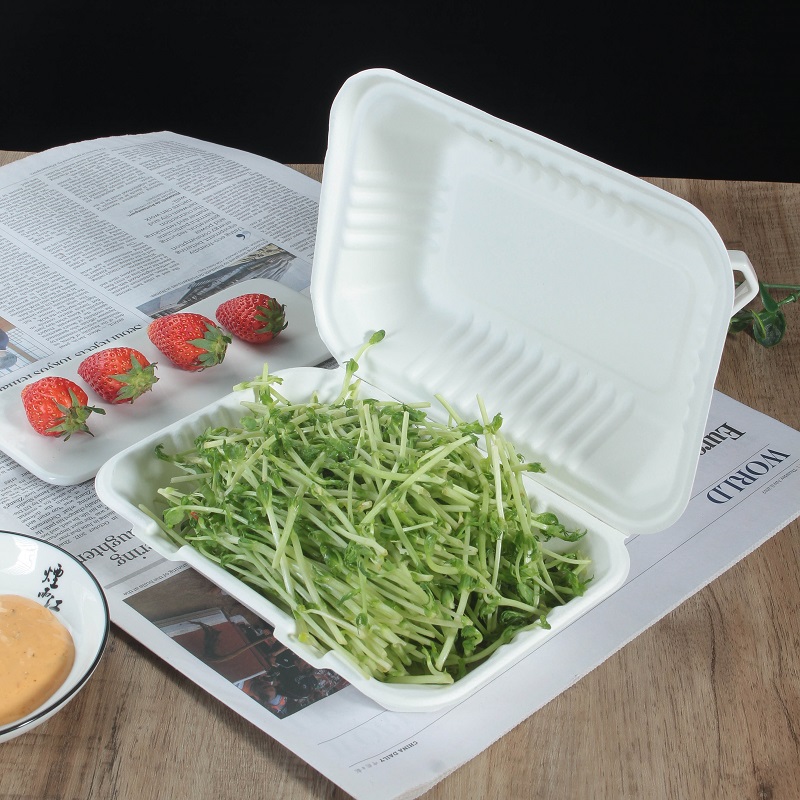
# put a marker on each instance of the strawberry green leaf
(73, 418)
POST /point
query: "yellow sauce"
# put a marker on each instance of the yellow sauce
(36, 655)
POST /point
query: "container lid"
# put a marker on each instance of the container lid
(585, 305)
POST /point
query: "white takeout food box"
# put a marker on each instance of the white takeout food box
(589, 307)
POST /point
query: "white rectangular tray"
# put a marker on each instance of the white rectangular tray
(176, 394)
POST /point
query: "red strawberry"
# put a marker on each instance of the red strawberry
(57, 407)
(191, 341)
(253, 317)
(118, 374)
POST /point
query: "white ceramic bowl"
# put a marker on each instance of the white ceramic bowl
(49, 575)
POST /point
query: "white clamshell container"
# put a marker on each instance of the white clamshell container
(587, 306)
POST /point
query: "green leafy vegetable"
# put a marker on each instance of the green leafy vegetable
(768, 325)
(390, 537)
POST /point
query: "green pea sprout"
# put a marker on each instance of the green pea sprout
(409, 546)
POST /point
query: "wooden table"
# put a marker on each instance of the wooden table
(705, 704)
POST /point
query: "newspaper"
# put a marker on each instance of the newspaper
(118, 223)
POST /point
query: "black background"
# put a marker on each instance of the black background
(709, 91)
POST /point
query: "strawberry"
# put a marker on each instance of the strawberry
(118, 374)
(253, 317)
(191, 341)
(57, 407)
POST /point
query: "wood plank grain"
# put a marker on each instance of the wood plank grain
(7, 156)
